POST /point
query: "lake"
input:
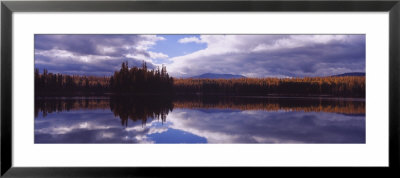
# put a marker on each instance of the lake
(199, 119)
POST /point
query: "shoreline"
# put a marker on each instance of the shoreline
(270, 96)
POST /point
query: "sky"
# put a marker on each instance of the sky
(191, 55)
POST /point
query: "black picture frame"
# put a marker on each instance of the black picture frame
(8, 7)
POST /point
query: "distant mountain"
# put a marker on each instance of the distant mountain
(217, 76)
(351, 74)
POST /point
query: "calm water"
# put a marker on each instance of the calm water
(199, 120)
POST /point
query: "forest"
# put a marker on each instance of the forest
(141, 80)
(345, 86)
(125, 81)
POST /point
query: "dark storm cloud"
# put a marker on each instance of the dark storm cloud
(284, 56)
(321, 60)
(117, 45)
(92, 54)
(103, 68)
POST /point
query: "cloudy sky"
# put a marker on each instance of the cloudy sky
(190, 55)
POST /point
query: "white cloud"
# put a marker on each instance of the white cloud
(190, 40)
(155, 55)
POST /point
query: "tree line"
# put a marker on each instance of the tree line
(125, 81)
(141, 80)
(54, 84)
(345, 86)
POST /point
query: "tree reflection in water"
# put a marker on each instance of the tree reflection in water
(141, 108)
(157, 107)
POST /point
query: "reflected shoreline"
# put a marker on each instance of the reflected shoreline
(142, 108)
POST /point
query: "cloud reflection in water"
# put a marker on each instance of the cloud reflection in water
(195, 125)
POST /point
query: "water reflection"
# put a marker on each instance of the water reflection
(199, 120)
(257, 126)
(140, 108)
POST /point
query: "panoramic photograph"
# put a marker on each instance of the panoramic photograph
(199, 89)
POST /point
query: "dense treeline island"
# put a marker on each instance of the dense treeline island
(141, 80)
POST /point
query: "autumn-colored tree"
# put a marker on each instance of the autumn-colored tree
(346, 86)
